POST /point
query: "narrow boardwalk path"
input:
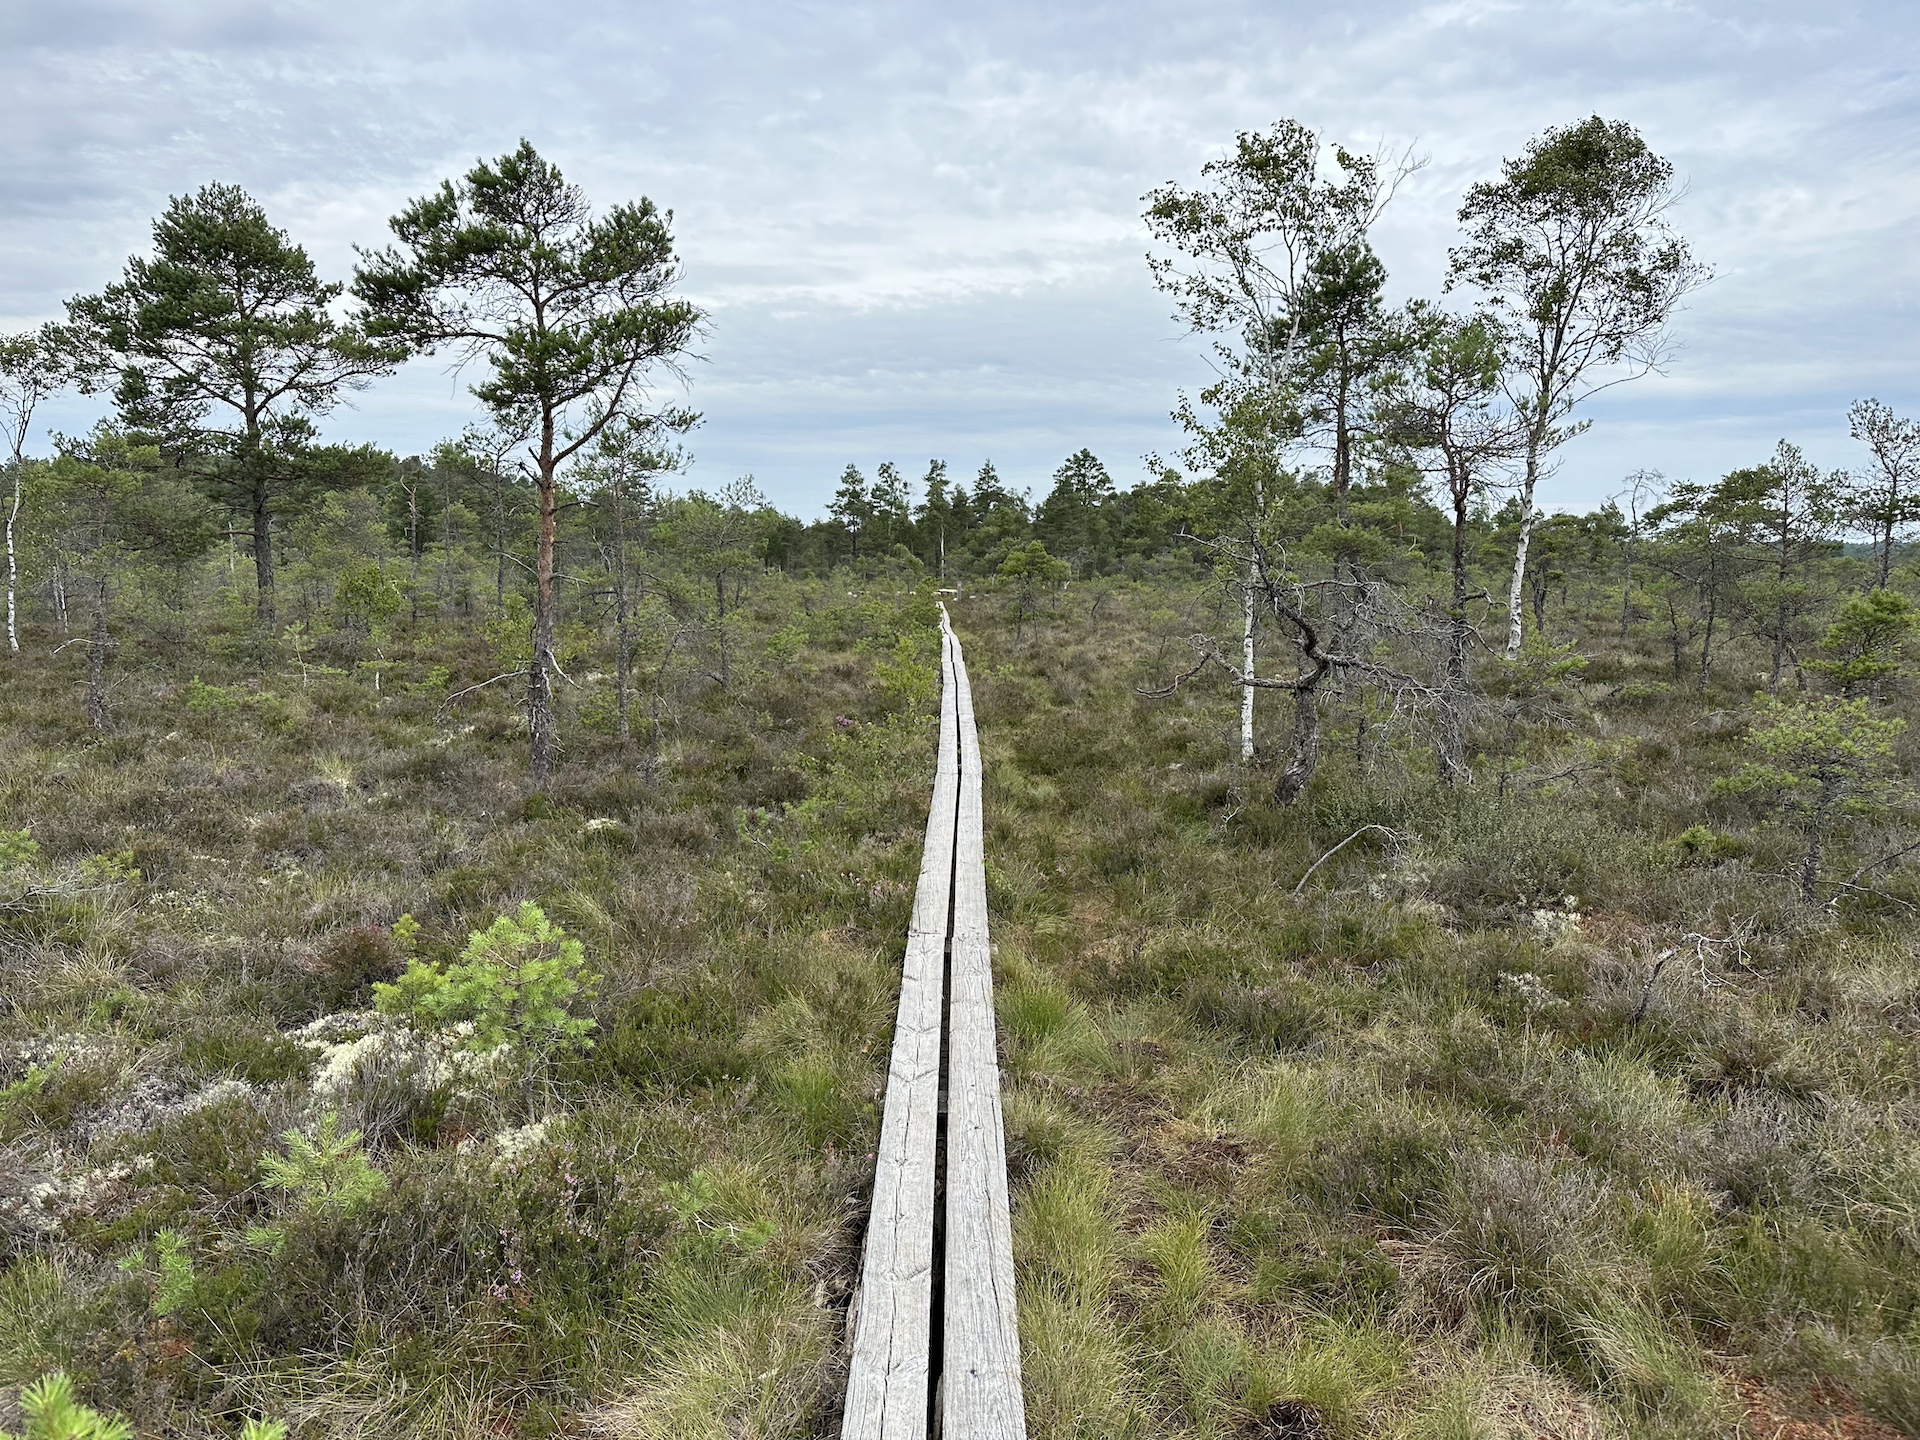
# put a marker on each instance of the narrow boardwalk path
(935, 1345)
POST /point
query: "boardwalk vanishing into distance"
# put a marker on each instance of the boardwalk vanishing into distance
(936, 1348)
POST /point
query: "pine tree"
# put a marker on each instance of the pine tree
(852, 507)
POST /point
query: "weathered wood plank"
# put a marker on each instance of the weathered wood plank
(980, 1366)
(892, 1342)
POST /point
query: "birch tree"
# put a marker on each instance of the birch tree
(1249, 248)
(1374, 621)
(1573, 250)
(34, 367)
(573, 314)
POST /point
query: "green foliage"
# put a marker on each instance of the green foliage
(1704, 845)
(54, 1412)
(1822, 758)
(366, 596)
(18, 848)
(326, 1175)
(1029, 569)
(1824, 761)
(510, 634)
(406, 933)
(176, 1284)
(1864, 646)
(909, 675)
(699, 1212)
(17, 1098)
(513, 983)
(201, 698)
(1030, 564)
(32, 1083)
(118, 867)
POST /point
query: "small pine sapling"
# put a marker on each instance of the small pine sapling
(1824, 761)
(177, 1279)
(54, 1412)
(1863, 647)
(18, 849)
(327, 1174)
(512, 984)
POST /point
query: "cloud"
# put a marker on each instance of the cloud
(918, 229)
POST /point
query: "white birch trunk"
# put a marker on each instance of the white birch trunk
(13, 565)
(1246, 669)
(1516, 616)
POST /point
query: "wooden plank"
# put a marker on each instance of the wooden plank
(980, 1366)
(892, 1342)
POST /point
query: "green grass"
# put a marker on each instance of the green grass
(1429, 1150)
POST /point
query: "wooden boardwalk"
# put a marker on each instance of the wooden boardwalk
(936, 1350)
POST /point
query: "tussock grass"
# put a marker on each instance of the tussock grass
(1439, 1147)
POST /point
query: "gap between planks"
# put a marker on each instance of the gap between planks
(894, 1391)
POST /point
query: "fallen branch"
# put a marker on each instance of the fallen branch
(1840, 885)
(1391, 834)
(1653, 979)
(444, 704)
(1876, 864)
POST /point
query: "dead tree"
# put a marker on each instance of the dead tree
(1374, 619)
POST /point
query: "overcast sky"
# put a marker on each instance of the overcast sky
(917, 227)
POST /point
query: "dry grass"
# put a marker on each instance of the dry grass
(1439, 1148)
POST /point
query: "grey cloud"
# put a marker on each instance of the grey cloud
(917, 228)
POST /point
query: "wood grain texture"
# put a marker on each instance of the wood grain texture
(980, 1366)
(892, 1341)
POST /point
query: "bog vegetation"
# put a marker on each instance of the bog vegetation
(1455, 956)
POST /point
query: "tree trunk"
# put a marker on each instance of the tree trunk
(445, 586)
(1515, 618)
(622, 640)
(541, 726)
(97, 660)
(1706, 640)
(1305, 758)
(1342, 449)
(258, 497)
(263, 558)
(1246, 669)
(1816, 843)
(1626, 597)
(1713, 613)
(1452, 745)
(413, 546)
(13, 562)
